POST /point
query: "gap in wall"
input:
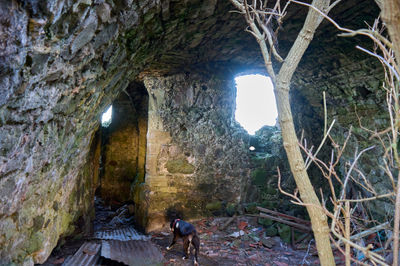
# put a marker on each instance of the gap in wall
(255, 102)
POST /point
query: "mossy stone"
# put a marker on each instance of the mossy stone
(214, 206)
(269, 204)
(231, 209)
(284, 233)
(38, 222)
(272, 190)
(265, 222)
(35, 243)
(271, 231)
(181, 166)
(251, 208)
(259, 176)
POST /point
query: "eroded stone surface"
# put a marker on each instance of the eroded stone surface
(196, 152)
(62, 63)
(124, 143)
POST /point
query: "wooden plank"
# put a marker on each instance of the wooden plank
(298, 220)
(293, 224)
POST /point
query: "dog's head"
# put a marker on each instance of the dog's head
(174, 224)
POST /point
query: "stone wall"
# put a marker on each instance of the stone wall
(53, 86)
(120, 151)
(198, 158)
(124, 145)
(355, 98)
(61, 64)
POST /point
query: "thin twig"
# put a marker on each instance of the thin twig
(308, 250)
(351, 169)
(322, 142)
(325, 113)
(382, 59)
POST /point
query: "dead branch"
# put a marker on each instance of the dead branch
(293, 196)
(383, 60)
(230, 220)
(371, 198)
(377, 38)
(301, 221)
(322, 142)
(284, 221)
(347, 233)
(351, 169)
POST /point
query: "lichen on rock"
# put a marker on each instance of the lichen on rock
(180, 166)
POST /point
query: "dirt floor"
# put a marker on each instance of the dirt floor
(219, 247)
(242, 241)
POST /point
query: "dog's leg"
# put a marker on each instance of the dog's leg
(186, 247)
(196, 244)
(190, 238)
(173, 242)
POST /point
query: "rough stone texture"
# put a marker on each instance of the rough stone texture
(121, 145)
(62, 63)
(196, 152)
(124, 145)
(353, 84)
(53, 99)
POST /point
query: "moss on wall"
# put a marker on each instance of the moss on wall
(180, 166)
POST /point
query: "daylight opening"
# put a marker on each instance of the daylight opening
(255, 102)
(106, 117)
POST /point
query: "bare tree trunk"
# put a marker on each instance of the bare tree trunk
(290, 141)
(282, 87)
(297, 166)
(391, 17)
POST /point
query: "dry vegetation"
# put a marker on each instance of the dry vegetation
(345, 210)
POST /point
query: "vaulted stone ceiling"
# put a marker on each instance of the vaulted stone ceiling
(63, 62)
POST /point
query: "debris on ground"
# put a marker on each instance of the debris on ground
(243, 242)
(239, 240)
(114, 242)
(89, 253)
(133, 252)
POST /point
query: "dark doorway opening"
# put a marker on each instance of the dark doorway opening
(123, 151)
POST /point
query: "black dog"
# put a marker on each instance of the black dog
(188, 233)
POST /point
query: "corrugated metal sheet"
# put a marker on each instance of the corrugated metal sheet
(132, 253)
(122, 234)
(87, 255)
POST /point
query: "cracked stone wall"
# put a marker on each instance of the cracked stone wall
(198, 156)
(61, 64)
(124, 145)
(53, 87)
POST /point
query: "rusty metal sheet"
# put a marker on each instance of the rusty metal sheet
(87, 255)
(122, 234)
(132, 253)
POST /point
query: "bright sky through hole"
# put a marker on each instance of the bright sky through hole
(106, 117)
(255, 102)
